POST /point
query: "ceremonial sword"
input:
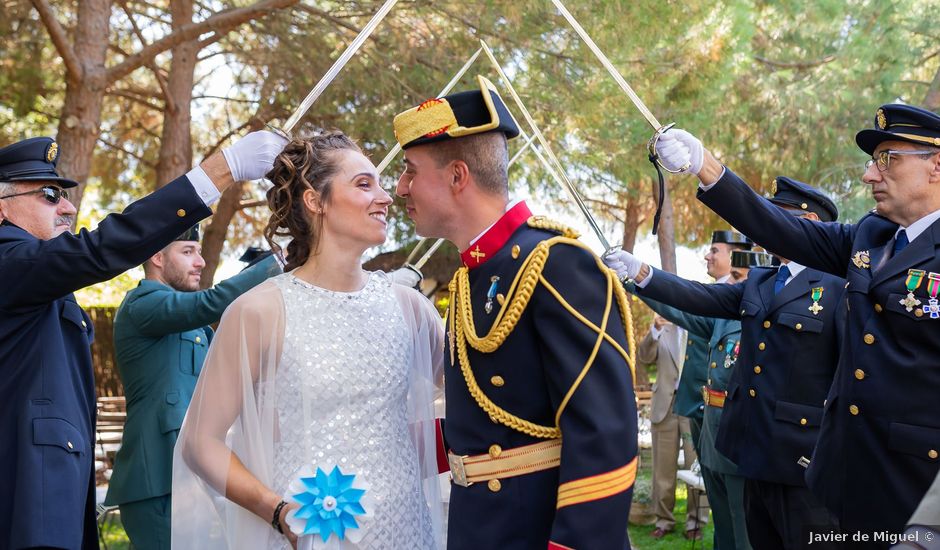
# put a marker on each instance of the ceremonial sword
(638, 103)
(338, 65)
(548, 150)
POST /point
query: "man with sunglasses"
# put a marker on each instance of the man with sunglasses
(47, 391)
(879, 443)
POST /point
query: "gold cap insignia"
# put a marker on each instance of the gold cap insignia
(52, 152)
(773, 187)
(881, 120)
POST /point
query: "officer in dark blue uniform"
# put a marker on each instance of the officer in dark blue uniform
(723, 482)
(879, 443)
(537, 333)
(47, 391)
(791, 326)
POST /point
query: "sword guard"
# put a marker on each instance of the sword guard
(651, 147)
(278, 131)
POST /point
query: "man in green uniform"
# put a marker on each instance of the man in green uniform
(161, 336)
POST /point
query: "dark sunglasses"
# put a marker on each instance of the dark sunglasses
(50, 193)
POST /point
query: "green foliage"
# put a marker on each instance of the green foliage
(771, 87)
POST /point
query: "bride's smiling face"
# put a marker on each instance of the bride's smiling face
(357, 207)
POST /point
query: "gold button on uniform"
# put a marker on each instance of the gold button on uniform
(799, 326)
(198, 340)
(495, 451)
(853, 409)
(804, 206)
(515, 251)
(932, 453)
(878, 308)
(918, 313)
(181, 213)
(859, 373)
(766, 324)
(802, 422)
(713, 365)
(497, 381)
(757, 369)
(752, 393)
(761, 346)
(70, 445)
(494, 485)
(869, 338)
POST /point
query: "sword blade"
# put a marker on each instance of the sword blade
(609, 66)
(450, 85)
(548, 150)
(338, 65)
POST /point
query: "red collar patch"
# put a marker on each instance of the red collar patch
(495, 237)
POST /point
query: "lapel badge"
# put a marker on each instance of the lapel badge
(477, 254)
(817, 295)
(861, 259)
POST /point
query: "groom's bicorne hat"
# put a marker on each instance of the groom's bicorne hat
(454, 116)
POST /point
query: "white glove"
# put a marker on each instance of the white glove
(625, 264)
(252, 156)
(678, 149)
(407, 275)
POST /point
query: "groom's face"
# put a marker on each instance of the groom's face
(426, 188)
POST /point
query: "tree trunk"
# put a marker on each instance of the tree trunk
(632, 220)
(666, 234)
(932, 98)
(84, 94)
(176, 146)
(213, 239)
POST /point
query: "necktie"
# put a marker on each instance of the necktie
(782, 275)
(900, 241)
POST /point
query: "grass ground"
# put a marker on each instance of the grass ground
(641, 539)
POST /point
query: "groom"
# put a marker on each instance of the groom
(538, 346)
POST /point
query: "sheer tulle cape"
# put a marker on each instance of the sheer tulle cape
(233, 411)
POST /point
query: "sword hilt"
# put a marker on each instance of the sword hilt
(651, 147)
(623, 279)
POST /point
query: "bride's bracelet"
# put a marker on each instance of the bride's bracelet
(276, 520)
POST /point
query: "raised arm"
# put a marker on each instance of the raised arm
(168, 311)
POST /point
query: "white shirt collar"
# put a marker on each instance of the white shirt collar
(795, 269)
(918, 227)
(723, 279)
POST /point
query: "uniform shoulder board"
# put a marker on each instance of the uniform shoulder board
(541, 222)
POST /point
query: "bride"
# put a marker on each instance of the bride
(319, 383)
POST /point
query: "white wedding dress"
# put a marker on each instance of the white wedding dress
(352, 385)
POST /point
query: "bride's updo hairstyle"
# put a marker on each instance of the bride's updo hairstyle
(308, 163)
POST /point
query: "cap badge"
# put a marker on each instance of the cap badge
(52, 152)
(773, 187)
(880, 119)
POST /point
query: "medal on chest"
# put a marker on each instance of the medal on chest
(731, 352)
(914, 278)
(933, 305)
(491, 294)
(817, 295)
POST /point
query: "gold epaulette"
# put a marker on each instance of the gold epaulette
(463, 331)
(541, 222)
